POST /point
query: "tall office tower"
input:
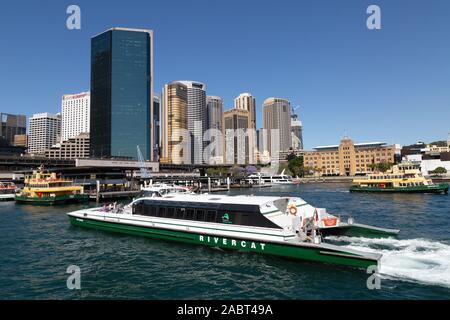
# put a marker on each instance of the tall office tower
(45, 131)
(215, 113)
(121, 93)
(277, 117)
(175, 144)
(197, 118)
(11, 125)
(236, 125)
(75, 114)
(156, 127)
(247, 102)
(296, 132)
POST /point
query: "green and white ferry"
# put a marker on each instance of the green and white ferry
(279, 226)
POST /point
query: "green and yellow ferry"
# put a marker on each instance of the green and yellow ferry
(278, 226)
(404, 178)
(44, 188)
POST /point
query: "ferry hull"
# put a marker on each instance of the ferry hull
(315, 253)
(53, 200)
(439, 188)
(359, 230)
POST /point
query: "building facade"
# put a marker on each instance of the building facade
(348, 158)
(215, 118)
(175, 143)
(44, 132)
(72, 148)
(236, 124)
(296, 132)
(197, 118)
(11, 125)
(75, 115)
(156, 127)
(121, 93)
(246, 101)
(277, 125)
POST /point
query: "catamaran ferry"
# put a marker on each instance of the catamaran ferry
(277, 179)
(7, 191)
(279, 226)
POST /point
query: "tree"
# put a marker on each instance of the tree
(295, 165)
(439, 170)
(384, 166)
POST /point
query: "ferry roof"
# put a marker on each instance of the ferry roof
(223, 199)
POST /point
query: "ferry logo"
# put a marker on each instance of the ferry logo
(226, 218)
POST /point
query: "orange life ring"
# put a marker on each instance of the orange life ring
(39, 194)
(329, 222)
(293, 210)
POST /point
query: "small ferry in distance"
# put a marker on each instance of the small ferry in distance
(405, 177)
(280, 226)
(276, 179)
(7, 191)
(47, 188)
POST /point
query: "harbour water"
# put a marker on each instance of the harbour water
(37, 245)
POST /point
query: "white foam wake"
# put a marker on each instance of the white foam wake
(418, 260)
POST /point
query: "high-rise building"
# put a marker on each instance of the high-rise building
(197, 118)
(277, 124)
(247, 102)
(175, 145)
(75, 114)
(121, 93)
(11, 125)
(215, 113)
(156, 127)
(236, 126)
(296, 132)
(45, 131)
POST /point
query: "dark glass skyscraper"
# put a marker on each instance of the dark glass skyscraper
(122, 93)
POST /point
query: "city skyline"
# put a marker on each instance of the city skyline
(346, 80)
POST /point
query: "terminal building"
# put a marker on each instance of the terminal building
(348, 158)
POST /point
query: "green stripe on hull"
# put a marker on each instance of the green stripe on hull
(53, 200)
(439, 188)
(276, 249)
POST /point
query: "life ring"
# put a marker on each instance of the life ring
(39, 194)
(293, 210)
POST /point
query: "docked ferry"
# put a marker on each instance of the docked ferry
(278, 226)
(276, 179)
(405, 178)
(47, 188)
(7, 191)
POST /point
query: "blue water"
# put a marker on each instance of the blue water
(37, 244)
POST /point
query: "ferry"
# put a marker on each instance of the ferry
(47, 188)
(277, 179)
(7, 191)
(404, 178)
(278, 226)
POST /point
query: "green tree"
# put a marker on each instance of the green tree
(384, 166)
(439, 170)
(295, 166)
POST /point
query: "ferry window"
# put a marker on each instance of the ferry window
(170, 212)
(179, 213)
(153, 211)
(189, 214)
(147, 209)
(162, 212)
(200, 215)
(211, 216)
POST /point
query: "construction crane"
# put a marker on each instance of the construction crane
(144, 172)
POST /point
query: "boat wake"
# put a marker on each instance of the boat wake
(414, 260)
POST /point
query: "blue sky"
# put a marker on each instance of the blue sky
(389, 85)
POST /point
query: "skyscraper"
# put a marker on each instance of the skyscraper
(156, 127)
(296, 132)
(197, 118)
(121, 93)
(277, 118)
(75, 115)
(215, 113)
(175, 145)
(247, 102)
(45, 131)
(11, 125)
(236, 125)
